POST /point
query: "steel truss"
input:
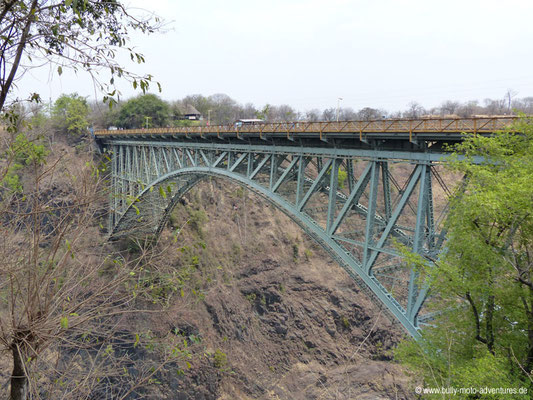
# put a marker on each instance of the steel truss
(360, 205)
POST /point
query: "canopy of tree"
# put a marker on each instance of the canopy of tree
(76, 34)
(145, 111)
(69, 114)
(483, 284)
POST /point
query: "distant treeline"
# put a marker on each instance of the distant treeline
(72, 112)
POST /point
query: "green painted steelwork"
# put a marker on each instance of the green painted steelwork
(386, 198)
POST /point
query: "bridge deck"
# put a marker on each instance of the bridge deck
(430, 128)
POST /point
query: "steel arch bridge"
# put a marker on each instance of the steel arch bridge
(360, 189)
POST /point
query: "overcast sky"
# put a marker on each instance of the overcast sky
(308, 53)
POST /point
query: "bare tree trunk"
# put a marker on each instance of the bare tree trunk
(490, 315)
(5, 84)
(489, 325)
(529, 313)
(19, 380)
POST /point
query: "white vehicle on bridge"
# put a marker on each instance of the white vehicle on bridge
(249, 121)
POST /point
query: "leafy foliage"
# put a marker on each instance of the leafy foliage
(70, 114)
(146, 111)
(78, 35)
(23, 152)
(484, 281)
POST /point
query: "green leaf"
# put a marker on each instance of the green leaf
(64, 322)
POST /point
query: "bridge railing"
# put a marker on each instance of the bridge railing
(482, 124)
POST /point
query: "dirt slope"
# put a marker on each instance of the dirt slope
(276, 316)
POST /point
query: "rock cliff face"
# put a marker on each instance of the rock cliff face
(278, 318)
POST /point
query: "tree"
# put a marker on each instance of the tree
(70, 34)
(282, 113)
(449, 107)
(225, 109)
(483, 283)
(469, 108)
(70, 114)
(64, 291)
(524, 105)
(494, 107)
(368, 114)
(61, 291)
(347, 114)
(414, 111)
(312, 115)
(329, 114)
(264, 112)
(248, 111)
(145, 111)
(102, 116)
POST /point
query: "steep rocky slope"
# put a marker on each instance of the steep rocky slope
(266, 313)
(278, 318)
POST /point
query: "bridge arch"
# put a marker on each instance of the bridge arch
(148, 211)
(307, 224)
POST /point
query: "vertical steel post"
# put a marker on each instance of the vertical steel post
(430, 212)
(167, 164)
(300, 179)
(385, 179)
(145, 165)
(112, 192)
(274, 161)
(319, 163)
(121, 180)
(370, 216)
(154, 160)
(231, 156)
(129, 168)
(250, 166)
(421, 212)
(333, 185)
(350, 174)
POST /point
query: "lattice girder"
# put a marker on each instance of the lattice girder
(359, 205)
